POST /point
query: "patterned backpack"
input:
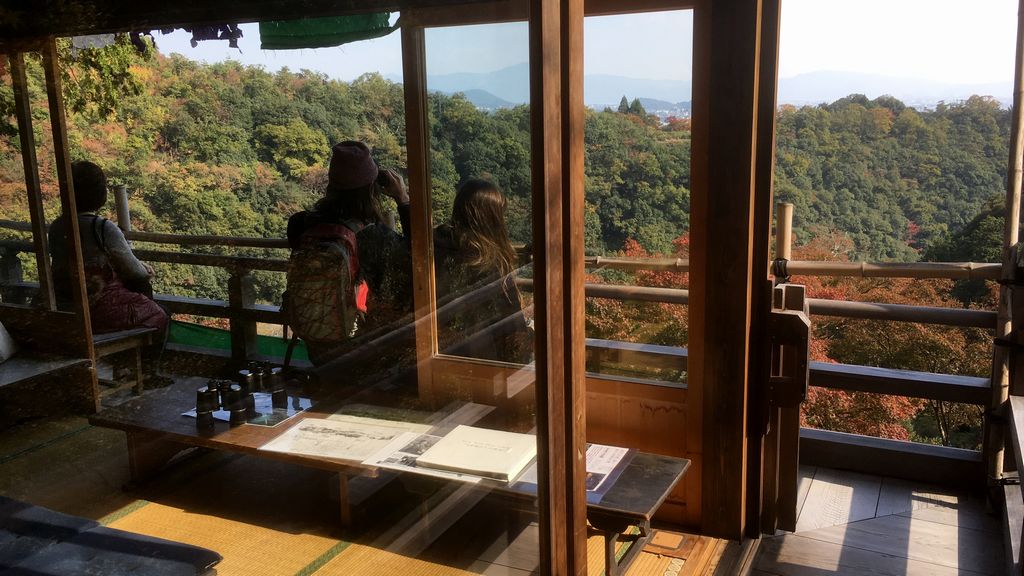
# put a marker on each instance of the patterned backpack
(320, 299)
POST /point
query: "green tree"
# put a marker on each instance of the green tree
(636, 108)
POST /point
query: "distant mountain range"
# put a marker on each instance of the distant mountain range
(510, 86)
(828, 86)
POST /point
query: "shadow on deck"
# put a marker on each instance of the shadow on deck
(852, 523)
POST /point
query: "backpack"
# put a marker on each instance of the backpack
(320, 298)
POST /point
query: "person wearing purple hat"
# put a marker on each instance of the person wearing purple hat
(355, 190)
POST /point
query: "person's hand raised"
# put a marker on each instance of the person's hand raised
(395, 187)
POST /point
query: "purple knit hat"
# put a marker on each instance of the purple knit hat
(351, 166)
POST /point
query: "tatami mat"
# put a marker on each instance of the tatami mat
(247, 549)
(369, 561)
(264, 517)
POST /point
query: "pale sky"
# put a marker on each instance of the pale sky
(938, 40)
(942, 40)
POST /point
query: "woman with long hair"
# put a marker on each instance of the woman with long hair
(480, 309)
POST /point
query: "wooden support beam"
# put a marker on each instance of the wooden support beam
(417, 135)
(610, 7)
(946, 387)
(765, 459)
(1007, 322)
(23, 111)
(723, 202)
(242, 295)
(58, 122)
(556, 96)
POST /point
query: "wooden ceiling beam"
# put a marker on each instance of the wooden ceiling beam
(25, 21)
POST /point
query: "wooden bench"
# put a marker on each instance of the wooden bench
(121, 341)
(51, 346)
(25, 366)
(52, 365)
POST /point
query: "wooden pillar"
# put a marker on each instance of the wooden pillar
(556, 97)
(765, 460)
(994, 439)
(241, 295)
(722, 277)
(31, 169)
(784, 227)
(124, 215)
(417, 131)
(81, 341)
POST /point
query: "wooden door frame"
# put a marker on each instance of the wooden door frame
(728, 251)
(556, 96)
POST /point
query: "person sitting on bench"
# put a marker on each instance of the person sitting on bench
(117, 283)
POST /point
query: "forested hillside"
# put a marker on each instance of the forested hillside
(894, 179)
(226, 149)
(229, 149)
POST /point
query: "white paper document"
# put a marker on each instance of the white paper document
(333, 439)
(403, 452)
(602, 461)
(481, 451)
(406, 426)
(604, 466)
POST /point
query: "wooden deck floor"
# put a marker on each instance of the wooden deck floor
(856, 524)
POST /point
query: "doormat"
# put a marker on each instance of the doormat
(672, 544)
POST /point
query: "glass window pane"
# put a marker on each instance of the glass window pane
(637, 143)
(250, 174)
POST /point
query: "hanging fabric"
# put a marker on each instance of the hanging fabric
(79, 43)
(324, 32)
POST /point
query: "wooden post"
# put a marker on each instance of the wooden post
(556, 133)
(35, 198)
(124, 216)
(723, 207)
(763, 487)
(79, 296)
(784, 231)
(241, 295)
(994, 439)
(418, 143)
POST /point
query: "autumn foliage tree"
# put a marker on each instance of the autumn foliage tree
(901, 345)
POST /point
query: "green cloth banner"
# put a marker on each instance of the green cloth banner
(324, 32)
(218, 339)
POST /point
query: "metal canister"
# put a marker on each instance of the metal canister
(236, 404)
(279, 398)
(206, 403)
(250, 405)
(274, 378)
(257, 372)
(247, 380)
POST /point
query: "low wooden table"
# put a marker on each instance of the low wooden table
(632, 501)
(156, 431)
